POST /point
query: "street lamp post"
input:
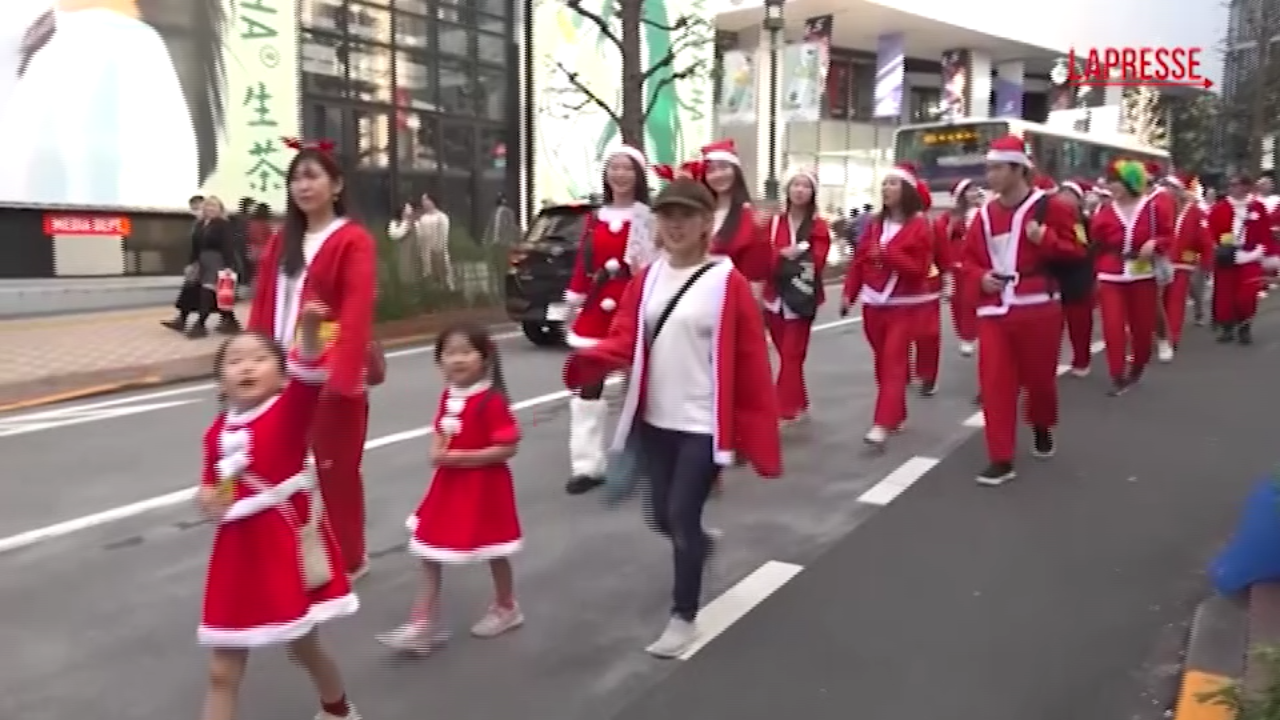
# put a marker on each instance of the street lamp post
(774, 24)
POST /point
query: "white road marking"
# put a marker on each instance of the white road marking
(978, 420)
(67, 527)
(897, 482)
(737, 601)
(83, 414)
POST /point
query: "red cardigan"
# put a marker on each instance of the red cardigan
(819, 244)
(746, 419)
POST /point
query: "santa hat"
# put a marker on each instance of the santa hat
(960, 188)
(721, 151)
(803, 172)
(627, 151)
(1080, 187)
(1044, 182)
(1009, 149)
(906, 172)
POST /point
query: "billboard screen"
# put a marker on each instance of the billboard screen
(142, 103)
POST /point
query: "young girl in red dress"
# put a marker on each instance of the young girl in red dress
(469, 512)
(276, 572)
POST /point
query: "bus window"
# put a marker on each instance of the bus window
(947, 153)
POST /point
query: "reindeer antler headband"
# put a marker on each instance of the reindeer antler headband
(694, 169)
(323, 145)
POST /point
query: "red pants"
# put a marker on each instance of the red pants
(926, 353)
(1078, 317)
(1128, 325)
(1174, 298)
(890, 330)
(791, 338)
(1016, 352)
(964, 306)
(337, 439)
(1235, 293)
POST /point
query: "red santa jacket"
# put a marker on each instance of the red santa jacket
(343, 275)
(996, 241)
(746, 419)
(743, 241)
(1116, 239)
(1243, 223)
(818, 243)
(1192, 245)
(601, 272)
(895, 271)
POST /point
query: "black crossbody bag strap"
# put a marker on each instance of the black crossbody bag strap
(675, 300)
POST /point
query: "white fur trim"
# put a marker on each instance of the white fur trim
(612, 265)
(448, 555)
(288, 305)
(608, 305)
(1073, 187)
(903, 175)
(305, 372)
(575, 340)
(1174, 181)
(722, 156)
(272, 496)
(1244, 257)
(1271, 262)
(574, 298)
(231, 442)
(802, 246)
(630, 152)
(961, 188)
(277, 633)
(1008, 156)
(230, 466)
(802, 173)
(450, 425)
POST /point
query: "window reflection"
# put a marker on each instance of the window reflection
(491, 48)
(419, 142)
(320, 120)
(370, 73)
(493, 150)
(321, 65)
(370, 23)
(452, 39)
(491, 95)
(494, 7)
(320, 14)
(412, 31)
(494, 25)
(454, 87)
(417, 83)
(373, 136)
(457, 147)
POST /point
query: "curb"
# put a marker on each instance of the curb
(1215, 657)
(160, 374)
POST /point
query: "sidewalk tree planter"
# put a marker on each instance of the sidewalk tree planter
(1247, 705)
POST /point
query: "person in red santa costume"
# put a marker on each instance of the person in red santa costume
(620, 231)
(966, 198)
(890, 275)
(690, 332)
(1241, 231)
(793, 291)
(737, 233)
(321, 255)
(1129, 232)
(1191, 250)
(926, 346)
(1076, 281)
(1019, 316)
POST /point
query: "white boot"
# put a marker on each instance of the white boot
(586, 444)
(1164, 351)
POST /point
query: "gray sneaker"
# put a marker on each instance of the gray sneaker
(419, 638)
(498, 620)
(678, 636)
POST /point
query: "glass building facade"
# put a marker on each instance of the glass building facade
(420, 97)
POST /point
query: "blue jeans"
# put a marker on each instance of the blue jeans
(681, 472)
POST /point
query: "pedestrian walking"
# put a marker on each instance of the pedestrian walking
(689, 331)
(966, 198)
(469, 512)
(1191, 252)
(737, 230)
(322, 255)
(1077, 281)
(793, 290)
(1240, 227)
(889, 275)
(212, 253)
(1019, 316)
(275, 571)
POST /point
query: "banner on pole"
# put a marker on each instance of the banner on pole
(891, 75)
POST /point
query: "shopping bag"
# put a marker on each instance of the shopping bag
(1253, 554)
(226, 290)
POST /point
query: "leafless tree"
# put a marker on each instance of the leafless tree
(621, 24)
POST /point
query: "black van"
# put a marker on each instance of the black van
(539, 271)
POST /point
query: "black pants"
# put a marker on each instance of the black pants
(592, 391)
(681, 471)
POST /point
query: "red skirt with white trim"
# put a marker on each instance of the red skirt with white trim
(468, 515)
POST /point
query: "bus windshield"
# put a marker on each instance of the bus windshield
(946, 154)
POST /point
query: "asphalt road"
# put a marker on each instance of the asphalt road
(100, 581)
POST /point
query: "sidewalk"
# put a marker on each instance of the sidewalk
(51, 359)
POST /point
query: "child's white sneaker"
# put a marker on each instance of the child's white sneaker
(414, 638)
(352, 714)
(675, 639)
(497, 621)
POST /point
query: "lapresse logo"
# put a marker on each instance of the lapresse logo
(1132, 67)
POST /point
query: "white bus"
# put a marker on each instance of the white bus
(946, 152)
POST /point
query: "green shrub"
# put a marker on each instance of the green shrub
(404, 292)
(1262, 705)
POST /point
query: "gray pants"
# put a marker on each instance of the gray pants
(1199, 278)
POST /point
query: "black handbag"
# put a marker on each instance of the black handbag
(1224, 256)
(796, 280)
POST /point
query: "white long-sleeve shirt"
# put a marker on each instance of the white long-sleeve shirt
(433, 231)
